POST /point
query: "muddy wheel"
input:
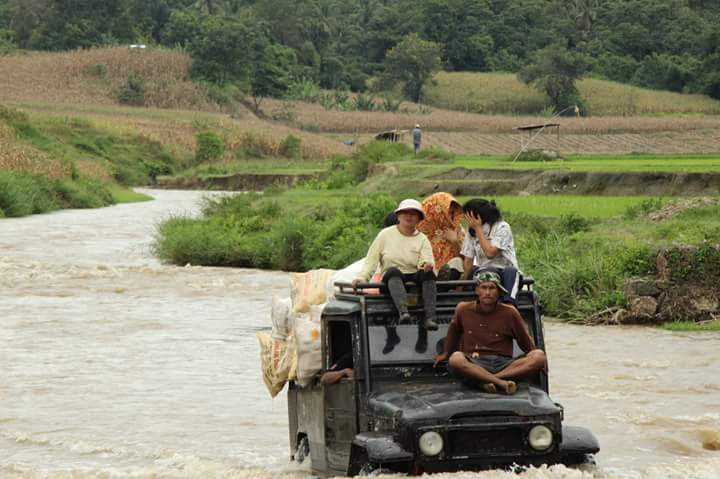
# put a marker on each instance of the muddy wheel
(303, 449)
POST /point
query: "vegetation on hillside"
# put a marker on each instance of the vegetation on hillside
(260, 47)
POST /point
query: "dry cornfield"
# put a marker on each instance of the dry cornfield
(14, 157)
(314, 117)
(93, 77)
(503, 93)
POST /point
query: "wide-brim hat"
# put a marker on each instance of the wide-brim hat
(411, 204)
(489, 276)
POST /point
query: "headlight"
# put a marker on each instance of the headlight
(431, 443)
(540, 437)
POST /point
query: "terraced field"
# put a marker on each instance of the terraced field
(471, 143)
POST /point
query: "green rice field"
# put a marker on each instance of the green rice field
(700, 163)
(558, 205)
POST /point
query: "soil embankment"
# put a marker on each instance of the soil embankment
(462, 181)
(237, 182)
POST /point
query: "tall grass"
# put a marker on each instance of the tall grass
(502, 93)
(24, 194)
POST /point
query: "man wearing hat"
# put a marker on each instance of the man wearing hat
(417, 137)
(479, 341)
(404, 254)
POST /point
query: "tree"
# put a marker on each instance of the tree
(554, 72)
(271, 67)
(413, 62)
(222, 55)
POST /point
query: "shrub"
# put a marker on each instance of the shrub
(390, 104)
(209, 147)
(304, 90)
(643, 208)
(288, 243)
(573, 223)
(132, 92)
(290, 147)
(23, 194)
(364, 102)
(84, 193)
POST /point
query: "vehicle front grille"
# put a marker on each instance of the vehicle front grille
(493, 442)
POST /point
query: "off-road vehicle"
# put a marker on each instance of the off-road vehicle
(400, 414)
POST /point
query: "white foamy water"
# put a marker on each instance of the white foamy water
(113, 365)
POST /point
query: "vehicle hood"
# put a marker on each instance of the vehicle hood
(418, 401)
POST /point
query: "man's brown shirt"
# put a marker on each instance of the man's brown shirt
(487, 333)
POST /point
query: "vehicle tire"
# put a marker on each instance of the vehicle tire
(303, 449)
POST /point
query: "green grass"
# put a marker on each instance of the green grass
(699, 163)
(127, 195)
(713, 326)
(558, 205)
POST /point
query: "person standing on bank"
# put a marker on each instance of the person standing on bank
(490, 247)
(417, 137)
(404, 254)
(479, 341)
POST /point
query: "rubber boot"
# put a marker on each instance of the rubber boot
(421, 343)
(429, 294)
(392, 339)
(399, 296)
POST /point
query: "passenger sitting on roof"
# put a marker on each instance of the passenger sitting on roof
(442, 227)
(484, 331)
(490, 246)
(404, 254)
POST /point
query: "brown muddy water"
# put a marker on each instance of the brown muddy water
(113, 365)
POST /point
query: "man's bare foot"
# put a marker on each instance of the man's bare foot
(489, 388)
(508, 388)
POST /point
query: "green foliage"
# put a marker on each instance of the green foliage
(209, 147)
(364, 102)
(670, 44)
(554, 72)
(573, 223)
(305, 90)
(24, 194)
(132, 92)
(390, 104)
(713, 326)
(290, 147)
(412, 62)
(644, 208)
(7, 41)
(252, 231)
(84, 193)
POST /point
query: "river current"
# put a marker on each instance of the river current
(115, 365)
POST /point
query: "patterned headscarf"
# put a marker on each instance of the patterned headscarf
(491, 277)
(437, 221)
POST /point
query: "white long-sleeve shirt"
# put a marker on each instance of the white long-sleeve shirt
(391, 248)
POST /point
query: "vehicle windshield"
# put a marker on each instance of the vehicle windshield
(410, 336)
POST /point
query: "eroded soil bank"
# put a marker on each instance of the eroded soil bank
(463, 181)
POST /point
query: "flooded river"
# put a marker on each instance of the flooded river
(113, 365)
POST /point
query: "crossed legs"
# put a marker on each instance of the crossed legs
(504, 380)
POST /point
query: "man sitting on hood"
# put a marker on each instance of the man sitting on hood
(484, 330)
